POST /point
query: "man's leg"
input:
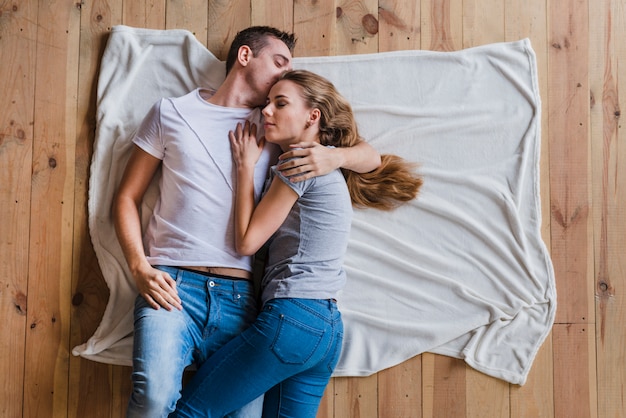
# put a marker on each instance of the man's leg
(161, 352)
(232, 309)
(164, 343)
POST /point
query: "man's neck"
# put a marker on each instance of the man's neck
(232, 93)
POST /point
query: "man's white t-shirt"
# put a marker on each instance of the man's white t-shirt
(192, 221)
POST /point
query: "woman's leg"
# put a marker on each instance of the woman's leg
(288, 337)
(300, 395)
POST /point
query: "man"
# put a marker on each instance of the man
(201, 295)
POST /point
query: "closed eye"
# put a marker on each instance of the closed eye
(281, 61)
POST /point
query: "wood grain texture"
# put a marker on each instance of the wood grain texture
(17, 79)
(52, 198)
(483, 22)
(52, 294)
(191, 15)
(276, 13)
(399, 24)
(607, 85)
(568, 135)
(314, 24)
(226, 18)
(89, 291)
(144, 13)
(400, 390)
(442, 24)
(357, 27)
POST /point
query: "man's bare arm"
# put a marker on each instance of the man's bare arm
(156, 286)
(316, 160)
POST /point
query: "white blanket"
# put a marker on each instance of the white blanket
(461, 271)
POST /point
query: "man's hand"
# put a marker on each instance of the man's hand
(310, 159)
(157, 288)
(316, 160)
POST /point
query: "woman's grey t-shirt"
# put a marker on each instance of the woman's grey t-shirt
(305, 255)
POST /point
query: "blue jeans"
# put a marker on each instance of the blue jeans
(289, 352)
(215, 310)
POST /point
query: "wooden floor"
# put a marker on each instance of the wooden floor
(52, 294)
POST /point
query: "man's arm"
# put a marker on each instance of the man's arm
(156, 286)
(316, 160)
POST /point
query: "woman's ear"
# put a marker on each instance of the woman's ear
(244, 55)
(314, 117)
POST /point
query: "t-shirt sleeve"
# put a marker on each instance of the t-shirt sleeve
(300, 187)
(148, 136)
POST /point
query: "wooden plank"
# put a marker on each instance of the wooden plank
(314, 23)
(400, 390)
(483, 22)
(357, 27)
(190, 15)
(571, 244)
(356, 397)
(17, 78)
(536, 397)
(89, 381)
(399, 25)
(568, 95)
(226, 18)
(574, 371)
(444, 387)
(428, 385)
(52, 206)
(606, 63)
(144, 13)
(276, 13)
(442, 24)
(486, 396)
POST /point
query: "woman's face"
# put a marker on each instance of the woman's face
(286, 114)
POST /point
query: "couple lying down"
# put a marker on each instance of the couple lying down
(193, 265)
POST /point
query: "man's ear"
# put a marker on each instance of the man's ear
(244, 55)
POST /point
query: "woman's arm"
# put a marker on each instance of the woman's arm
(316, 160)
(254, 226)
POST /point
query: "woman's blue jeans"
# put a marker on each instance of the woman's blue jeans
(215, 310)
(289, 352)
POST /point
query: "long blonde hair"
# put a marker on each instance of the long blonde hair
(394, 182)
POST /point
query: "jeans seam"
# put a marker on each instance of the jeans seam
(310, 310)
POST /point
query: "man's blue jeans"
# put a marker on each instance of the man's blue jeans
(215, 310)
(289, 352)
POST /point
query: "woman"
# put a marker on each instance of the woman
(293, 346)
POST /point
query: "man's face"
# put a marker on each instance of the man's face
(266, 67)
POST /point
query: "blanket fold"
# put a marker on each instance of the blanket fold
(461, 271)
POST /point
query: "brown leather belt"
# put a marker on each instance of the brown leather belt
(222, 271)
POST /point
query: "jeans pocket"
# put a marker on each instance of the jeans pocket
(295, 343)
